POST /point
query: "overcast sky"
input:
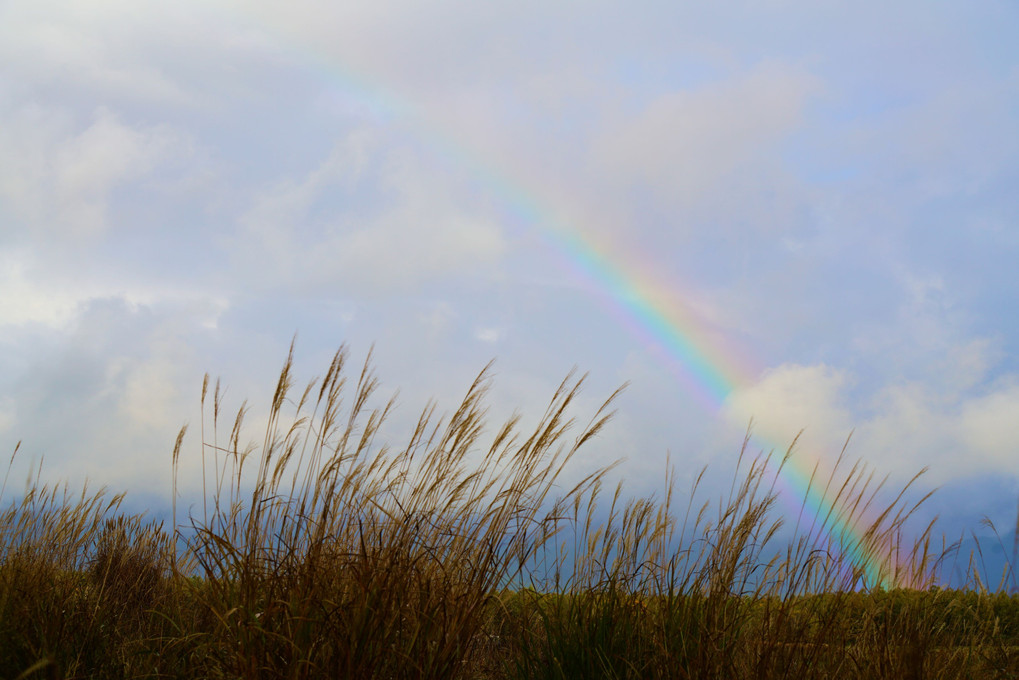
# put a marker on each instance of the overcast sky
(824, 193)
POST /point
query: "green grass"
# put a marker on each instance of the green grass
(328, 552)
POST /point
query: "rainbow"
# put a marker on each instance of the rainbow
(663, 328)
(654, 315)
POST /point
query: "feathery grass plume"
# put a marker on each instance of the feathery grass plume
(78, 583)
(719, 601)
(346, 557)
(330, 551)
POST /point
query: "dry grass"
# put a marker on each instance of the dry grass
(326, 552)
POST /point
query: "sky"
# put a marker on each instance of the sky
(804, 213)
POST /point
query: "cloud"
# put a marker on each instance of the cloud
(149, 394)
(436, 319)
(415, 242)
(957, 427)
(35, 292)
(957, 435)
(689, 144)
(104, 46)
(105, 396)
(420, 45)
(910, 426)
(489, 335)
(59, 177)
(318, 231)
(190, 183)
(990, 425)
(171, 55)
(24, 301)
(791, 398)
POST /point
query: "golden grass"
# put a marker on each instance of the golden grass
(327, 552)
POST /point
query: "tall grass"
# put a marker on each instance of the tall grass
(352, 559)
(327, 551)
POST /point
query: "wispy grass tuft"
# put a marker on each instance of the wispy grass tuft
(328, 551)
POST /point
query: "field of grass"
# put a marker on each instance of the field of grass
(325, 552)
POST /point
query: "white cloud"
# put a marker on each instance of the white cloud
(436, 319)
(966, 365)
(414, 243)
(899, 428)
(150, 397)
(686, 144)
(59, 179)
(110, 47)
(31, 293)
(299, 236)
(104, 397)
(793, 398)
(417, 45)
(990, 426)
(956, 435)
(24, 301)
(489, 335)
(912, 425)
(803, 171)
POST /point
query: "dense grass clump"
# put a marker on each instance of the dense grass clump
(328, 552)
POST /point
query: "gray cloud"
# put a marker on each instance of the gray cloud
(829, 187)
